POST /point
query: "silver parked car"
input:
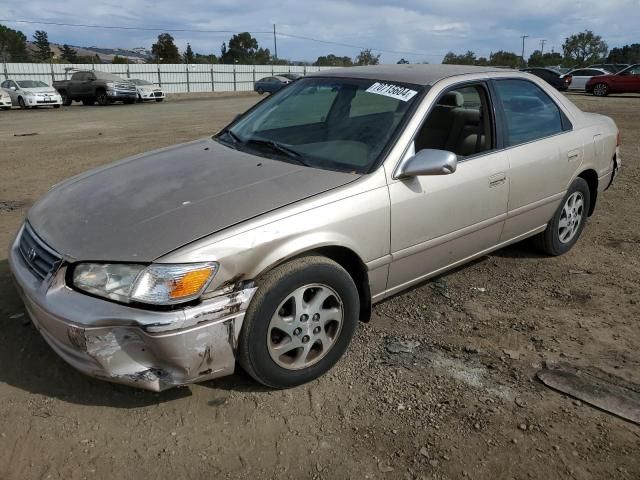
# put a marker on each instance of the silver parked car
(268, 242)
(580, 77)
(31, 93)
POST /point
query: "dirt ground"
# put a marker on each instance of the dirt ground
(464, 403)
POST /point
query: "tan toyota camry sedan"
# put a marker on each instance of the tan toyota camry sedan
(267, 243)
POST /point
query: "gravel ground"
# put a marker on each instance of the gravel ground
(439, 385)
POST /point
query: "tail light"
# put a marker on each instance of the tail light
(568, 79)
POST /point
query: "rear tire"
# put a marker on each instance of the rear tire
(312, 336)
(102, 98)
(601, 89)
(567, 223)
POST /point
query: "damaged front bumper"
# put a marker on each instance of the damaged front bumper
(154, 350)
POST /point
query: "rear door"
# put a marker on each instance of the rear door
(579, 79)
(543, 150)
(629, 80)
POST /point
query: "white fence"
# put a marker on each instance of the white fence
(174, 78)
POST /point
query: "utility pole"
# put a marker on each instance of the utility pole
(542, 42)
(275, 43)
(523, 37)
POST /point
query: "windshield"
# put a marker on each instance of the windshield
(334, 124)
(31, 84)
(138, 81)
(108, 76)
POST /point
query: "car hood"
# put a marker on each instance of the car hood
(144, 207)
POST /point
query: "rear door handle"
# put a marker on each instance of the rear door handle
(497, 179)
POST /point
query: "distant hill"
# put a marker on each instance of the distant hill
(135, 55)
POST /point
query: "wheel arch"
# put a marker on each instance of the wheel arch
(347, 259)
(591, 177)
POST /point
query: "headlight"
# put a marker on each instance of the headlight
(110, 85)
(156, 284)
(29, 94)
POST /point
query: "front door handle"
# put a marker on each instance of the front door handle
(497, 179)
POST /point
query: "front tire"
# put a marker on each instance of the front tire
(567, 223)
(22, 104)
(260, 91)
(102, 98)
(300, 322)
(601, 89)
(66, 101)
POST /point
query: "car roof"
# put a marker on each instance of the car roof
(415, 74)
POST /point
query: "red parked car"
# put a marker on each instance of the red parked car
(625, 81)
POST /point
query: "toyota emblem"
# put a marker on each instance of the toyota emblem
(31, 254)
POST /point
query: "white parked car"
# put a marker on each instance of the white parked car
(5, 100)
(31, 93)
(147, 91)
(580, 76)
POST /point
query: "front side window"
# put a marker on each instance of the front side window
(529, 112)
(460, 122)
(330, 123)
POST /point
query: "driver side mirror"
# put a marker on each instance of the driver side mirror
(12, 88)
(428, 162)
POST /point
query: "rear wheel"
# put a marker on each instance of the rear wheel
(601, 89)
(300, 322)
(102, 98)
(567, 223)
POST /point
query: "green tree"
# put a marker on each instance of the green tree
(505, 59)
(43, 51)
(165, 50)
(200, 58)
(584, 48)
(538, 59)
(118, 59)
(244, 49)
(482, 61)
(188, 55)
(366, 57)
(402, 61)
(468, 58)
(333, 61)
(13, 45)
(69, 54)
(625, 54)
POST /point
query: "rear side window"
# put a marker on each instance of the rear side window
(529, 112)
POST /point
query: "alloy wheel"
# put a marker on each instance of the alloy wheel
(571, 217)
(305, 326)
(600, 90)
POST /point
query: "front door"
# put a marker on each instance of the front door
(438, 221)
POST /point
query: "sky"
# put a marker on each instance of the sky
(418, 30)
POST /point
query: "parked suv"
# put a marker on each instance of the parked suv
(91, 86)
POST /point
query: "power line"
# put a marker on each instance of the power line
(192, 30)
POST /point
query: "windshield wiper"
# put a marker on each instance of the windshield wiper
(278, 147)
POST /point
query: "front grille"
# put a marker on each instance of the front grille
(40, 258)
(157, 94)
(125, 86)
